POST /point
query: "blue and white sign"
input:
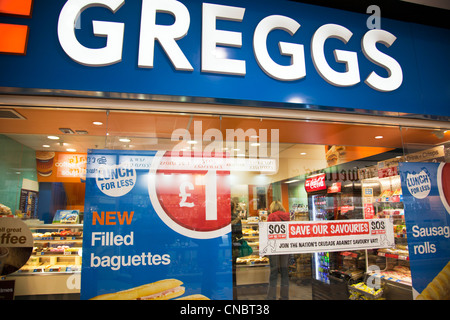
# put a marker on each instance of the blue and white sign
(294, 54)
(426, 194)
(130, 252)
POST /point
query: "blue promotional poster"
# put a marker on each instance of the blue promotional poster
(426, 194)
(155, 231)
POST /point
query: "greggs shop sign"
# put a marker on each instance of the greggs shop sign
(270, 51)
(212, 38)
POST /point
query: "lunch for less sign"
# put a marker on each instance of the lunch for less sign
(426, 195)
(276, 51)
(152, 233)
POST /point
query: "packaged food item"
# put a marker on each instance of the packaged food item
(385, 194)
(361, 291)
(252, 259)
(4, 210)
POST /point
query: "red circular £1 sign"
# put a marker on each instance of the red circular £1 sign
(195, 203)
(444, 184)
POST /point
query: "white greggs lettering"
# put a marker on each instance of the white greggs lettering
(167, 35)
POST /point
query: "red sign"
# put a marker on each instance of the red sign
(315, 183)
(198, 200)
(345, 209)
(336, 187)
(302, 230)
(387, 172)
(277, 236)
(369, 211)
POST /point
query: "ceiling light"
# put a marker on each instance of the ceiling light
(292, 181)
(379, 137)
(45, 146)
(256, 144)
(53, 137)
(97, 123)
(303, 153)
(66, 130)
(124, 140)
(71, 150)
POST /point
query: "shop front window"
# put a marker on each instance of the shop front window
(251, 172)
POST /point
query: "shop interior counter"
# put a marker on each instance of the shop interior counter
(54, 267)
(252, 269)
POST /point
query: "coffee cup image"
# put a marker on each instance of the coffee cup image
(4, 253)
(44, 162)
(13, 258)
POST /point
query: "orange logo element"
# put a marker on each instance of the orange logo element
(14, 37)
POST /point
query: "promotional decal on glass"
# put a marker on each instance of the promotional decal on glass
(426, 194)
(16, 244)
(153, 233)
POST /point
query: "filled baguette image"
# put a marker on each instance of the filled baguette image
(439, 288)
(159, 290)
(194, 297)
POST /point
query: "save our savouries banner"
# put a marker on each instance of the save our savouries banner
(318, 236)
(426, 195)
(152, 231)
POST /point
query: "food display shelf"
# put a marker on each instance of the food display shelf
(56, 254)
